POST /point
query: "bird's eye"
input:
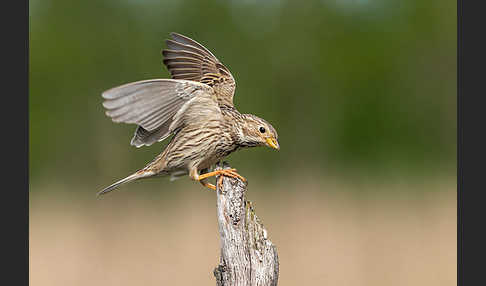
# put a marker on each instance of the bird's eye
(262, 129)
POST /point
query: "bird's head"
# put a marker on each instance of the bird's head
(256, 131)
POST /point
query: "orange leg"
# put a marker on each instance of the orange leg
(193, 173)
(226, 172)
(232, 174)
(220, 182)
(207, 185)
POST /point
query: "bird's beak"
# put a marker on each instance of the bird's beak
(272, 142)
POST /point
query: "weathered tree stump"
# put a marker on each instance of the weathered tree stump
(248, 257)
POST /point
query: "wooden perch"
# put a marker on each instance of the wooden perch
(248, 257)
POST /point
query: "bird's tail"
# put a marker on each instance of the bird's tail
(144, 173)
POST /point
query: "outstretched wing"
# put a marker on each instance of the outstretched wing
(189, 60)
(201, 111)
(151, 104)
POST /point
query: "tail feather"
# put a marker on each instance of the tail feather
(133, 177)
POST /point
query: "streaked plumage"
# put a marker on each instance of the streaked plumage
(196, 105)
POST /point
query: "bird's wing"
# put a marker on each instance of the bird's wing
(201, 111)
(151, 104)
(189, 60)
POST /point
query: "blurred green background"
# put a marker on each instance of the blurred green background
(367, 86)
(362, 93)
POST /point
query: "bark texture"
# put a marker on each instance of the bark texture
(248, 257)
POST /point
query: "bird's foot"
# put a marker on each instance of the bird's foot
(229, 173)
(232, 173)
(225, 172)
(208, 185)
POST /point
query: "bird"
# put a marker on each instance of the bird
(195, 106)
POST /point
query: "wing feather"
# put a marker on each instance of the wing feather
(198, 110)
(144, 137)
(151, 104)
(189, 60)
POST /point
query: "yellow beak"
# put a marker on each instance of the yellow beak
(272, 142)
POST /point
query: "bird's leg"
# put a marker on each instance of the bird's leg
(193, 173)
(207, 185)
(229, 173)
(220, 182)
(232, 173)
(225, 172)
(221, 165)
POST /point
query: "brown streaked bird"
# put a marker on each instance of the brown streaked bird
(196, 106)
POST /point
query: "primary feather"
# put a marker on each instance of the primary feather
(151, 104)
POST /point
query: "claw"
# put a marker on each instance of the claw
(225, 172)
(236, 175)
(220, 182)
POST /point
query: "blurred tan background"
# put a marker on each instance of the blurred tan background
(362, 93)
